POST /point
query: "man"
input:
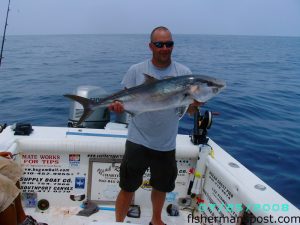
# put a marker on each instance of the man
(151, 138)
(11, 210)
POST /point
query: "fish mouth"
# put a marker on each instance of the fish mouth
(219, 83)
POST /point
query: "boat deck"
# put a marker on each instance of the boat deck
(67, 216)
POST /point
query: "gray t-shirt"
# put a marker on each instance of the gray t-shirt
(156, 130)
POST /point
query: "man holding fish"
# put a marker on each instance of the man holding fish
(151, 135)
(155, 93)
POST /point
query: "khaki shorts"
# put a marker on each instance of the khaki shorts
(10, 173)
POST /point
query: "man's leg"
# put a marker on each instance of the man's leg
(8, 216)
(122, 204)
(163, 170)
(133, 166)
(158, 200)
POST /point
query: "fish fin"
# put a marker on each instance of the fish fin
(181, 111)
(87, 106)
(149, 78)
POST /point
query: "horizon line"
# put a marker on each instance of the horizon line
(69, 34)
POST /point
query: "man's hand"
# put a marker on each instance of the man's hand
(193, 107)
(116, 106)
(6, 154)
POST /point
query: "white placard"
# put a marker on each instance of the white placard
(104, 181)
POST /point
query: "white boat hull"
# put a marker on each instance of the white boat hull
(63, 162)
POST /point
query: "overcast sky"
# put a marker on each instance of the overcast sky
(238, 17)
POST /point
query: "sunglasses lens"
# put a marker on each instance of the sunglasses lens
(160, 44)
(169, 44)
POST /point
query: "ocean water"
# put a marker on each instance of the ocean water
(259, 121)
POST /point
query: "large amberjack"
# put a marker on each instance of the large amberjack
(156, 94)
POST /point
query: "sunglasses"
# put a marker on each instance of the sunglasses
(160, 44)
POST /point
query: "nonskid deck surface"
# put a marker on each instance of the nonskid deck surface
(67, 216)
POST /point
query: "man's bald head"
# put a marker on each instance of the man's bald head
(156, 29)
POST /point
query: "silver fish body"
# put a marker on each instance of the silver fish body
(156, 95)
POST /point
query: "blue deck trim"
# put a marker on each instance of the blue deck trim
(96, 135)
(102, 208)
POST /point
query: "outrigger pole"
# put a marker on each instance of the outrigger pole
(4, 32)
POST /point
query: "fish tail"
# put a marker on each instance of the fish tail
(87, 106)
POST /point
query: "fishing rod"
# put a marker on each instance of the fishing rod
(4, 32)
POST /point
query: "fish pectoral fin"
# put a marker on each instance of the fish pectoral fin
(149, 78)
